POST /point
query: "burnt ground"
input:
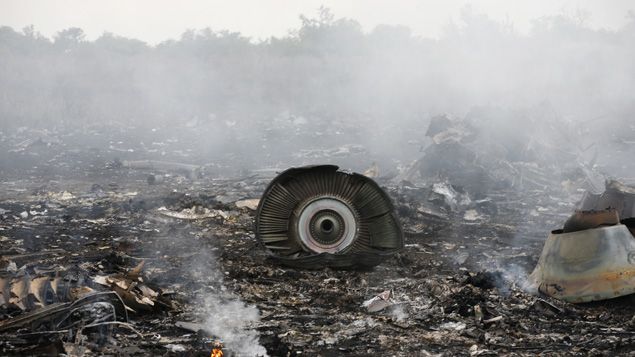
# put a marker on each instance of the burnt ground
(458, 285)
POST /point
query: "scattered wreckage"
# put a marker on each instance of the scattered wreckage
(483, 157)
(457, 287)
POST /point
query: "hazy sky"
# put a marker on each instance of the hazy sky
(156, 20)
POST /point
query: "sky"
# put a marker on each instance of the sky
(154, 21)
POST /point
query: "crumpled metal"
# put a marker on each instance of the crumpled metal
(588, 265)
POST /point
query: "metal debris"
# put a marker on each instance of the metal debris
(379, 302)
(93, 219)
(317, 216)
(189, 171)
(592, 257)
(251, 203)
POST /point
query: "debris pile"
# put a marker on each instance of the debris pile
(56, 310)
(479, 156)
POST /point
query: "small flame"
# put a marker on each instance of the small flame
(217, 351)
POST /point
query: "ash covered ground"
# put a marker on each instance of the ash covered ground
(73, 207)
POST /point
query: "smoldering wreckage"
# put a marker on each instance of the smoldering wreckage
(467, 251)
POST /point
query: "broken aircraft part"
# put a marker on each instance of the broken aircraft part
(581, 220)
(318, 216)
(588, 265)
(616, 195)
(593, 256)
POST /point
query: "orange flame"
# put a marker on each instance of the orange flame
(217, 351)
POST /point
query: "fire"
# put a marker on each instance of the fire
(217, 351)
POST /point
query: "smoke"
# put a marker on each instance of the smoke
(327, 84)
(198, 273)
(398, 312)
(224, 314)
(518, 277)
(230, 319)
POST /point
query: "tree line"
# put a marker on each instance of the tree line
(328, 69)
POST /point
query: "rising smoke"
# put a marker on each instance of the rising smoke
(221, 311)
(324, 85)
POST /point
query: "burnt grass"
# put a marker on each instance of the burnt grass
(450, 268)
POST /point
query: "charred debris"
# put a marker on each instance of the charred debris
(118, 250)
